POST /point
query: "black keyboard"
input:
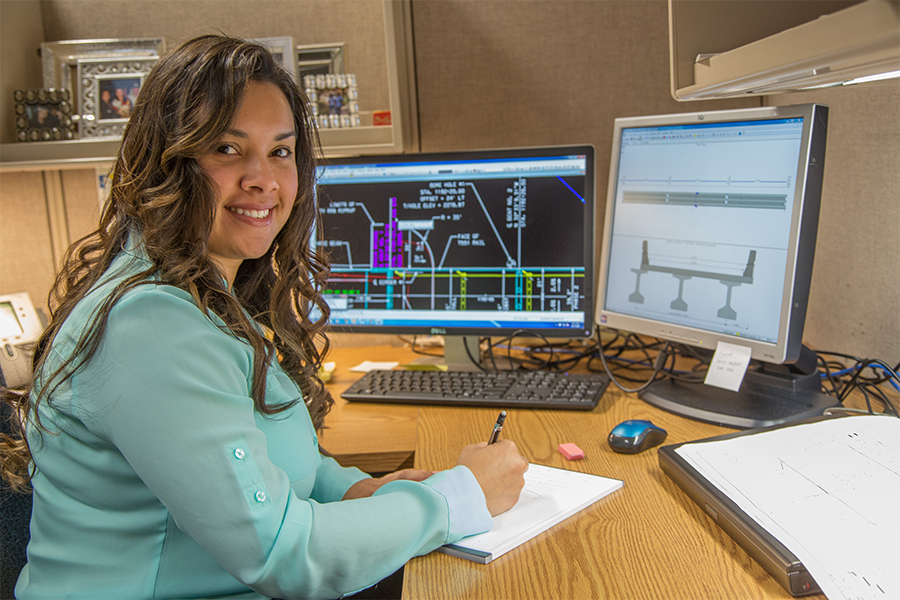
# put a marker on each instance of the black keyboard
(503, 389)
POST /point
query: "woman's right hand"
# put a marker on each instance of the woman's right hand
(499, 469)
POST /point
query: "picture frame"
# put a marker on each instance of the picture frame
(107, 91)
(321, 59)
(282, 48)
(43, 115)
(59, 60)
(334, 100)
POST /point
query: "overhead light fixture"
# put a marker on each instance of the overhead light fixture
(876, 77)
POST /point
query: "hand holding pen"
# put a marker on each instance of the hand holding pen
(499, 468)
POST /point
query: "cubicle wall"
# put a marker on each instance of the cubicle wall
(358, 23)
(514, 73)
(559, 71)
(41, 214)
(854, 303)
(26, 253)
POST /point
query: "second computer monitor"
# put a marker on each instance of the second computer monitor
(709, 239)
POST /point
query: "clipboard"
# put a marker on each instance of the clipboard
(764, 548)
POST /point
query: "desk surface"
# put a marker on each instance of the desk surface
(646, 540)
(377, 438)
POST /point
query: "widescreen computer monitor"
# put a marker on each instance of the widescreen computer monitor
(709, 237)
(472, 243)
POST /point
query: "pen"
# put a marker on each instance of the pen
(498, 426)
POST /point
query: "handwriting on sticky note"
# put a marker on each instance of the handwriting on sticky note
(728, 366)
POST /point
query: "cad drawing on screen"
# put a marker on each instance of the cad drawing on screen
(473, 243)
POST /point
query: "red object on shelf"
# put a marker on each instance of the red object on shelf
(381, 117)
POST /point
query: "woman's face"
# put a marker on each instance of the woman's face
(254, 169)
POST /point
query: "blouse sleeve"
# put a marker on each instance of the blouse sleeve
(170, 389)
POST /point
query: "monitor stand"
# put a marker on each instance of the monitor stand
(774, 395)
(457, 359)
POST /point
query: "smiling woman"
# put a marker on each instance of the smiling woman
(255, 176)
(172, 420)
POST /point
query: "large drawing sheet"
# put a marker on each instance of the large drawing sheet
(550, 496)
(827, 491)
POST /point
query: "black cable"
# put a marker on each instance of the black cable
(477, 363)
(555, 360)
(613, 351)
(661, 359)
(862, 387)
(888, 405)
(541, 364)
(845, 379)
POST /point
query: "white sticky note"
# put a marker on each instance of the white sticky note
(728, 366)
(369, 365)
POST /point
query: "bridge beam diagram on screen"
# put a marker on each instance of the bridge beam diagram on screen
(730, 281)
(468, 245)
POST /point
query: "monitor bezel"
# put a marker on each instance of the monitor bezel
(589, 232)
(801, 248)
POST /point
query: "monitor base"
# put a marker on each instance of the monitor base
(774, 395)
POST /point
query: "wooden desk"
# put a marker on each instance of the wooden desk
(647, 540)
(377, 438)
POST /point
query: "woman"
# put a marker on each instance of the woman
(173, 415)
(122, 104)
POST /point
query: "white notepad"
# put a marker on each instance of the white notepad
(550, 496)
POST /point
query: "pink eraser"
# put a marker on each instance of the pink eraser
(571, 451)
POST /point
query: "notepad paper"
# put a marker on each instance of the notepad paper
(550, 496)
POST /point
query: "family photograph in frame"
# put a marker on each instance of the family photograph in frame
(334, 99)
(107, 91)
(43, 115)
(117, 97)
(86, 66)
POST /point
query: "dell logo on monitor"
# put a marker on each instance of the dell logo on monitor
(438, 331)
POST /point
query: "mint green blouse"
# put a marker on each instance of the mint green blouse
(158, 479)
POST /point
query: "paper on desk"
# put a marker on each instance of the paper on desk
(550, 496)
(828, 491)
(370, 365)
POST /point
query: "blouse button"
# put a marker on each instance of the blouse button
(238, 453)
(260, 496)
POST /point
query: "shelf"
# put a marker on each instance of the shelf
(352, 141)
(400, 136)
(69, 154)
(857, 41)
(81, 154)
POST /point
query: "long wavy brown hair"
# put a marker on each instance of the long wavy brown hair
(159, 193)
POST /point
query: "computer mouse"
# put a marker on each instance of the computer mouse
(635, 435)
